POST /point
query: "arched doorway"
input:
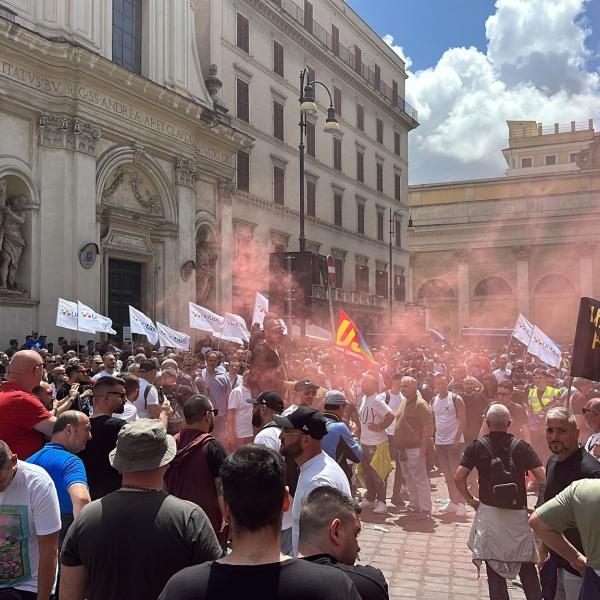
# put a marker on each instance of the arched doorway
(555, 306)
(493, 304)
(439, 297)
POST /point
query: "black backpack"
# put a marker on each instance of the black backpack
(503, 479)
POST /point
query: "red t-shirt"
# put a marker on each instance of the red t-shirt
(19, 412)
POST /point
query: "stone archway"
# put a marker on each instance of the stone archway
(206, 266)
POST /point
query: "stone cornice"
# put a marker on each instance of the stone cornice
(269, 11)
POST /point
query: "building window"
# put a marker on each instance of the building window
(550, 159)
(310, 138)
(362, 278)
(379, 177)
(335, 40)
(360, 166)
(397, 186)
(380, 225)
(243, 101)
(243, 33)
(399, 284)
(311, 193)
(377, 77)
(360, 117)
(278, 59)
(397, 140)
(127, 34)
(380, 131)
(308, 15)
(398, 233)
(573, 157)
(278, 185)
(337, 100)
(243, 171)
(337, 154)
(357, 60)
(526, 163)
(243, 252)
(278, 120)
(381, 283)
(360, 218)
(394, 92)
(337, 210)
(339, 273)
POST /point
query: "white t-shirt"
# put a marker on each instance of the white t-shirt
(319, 470)
(372, 411)
(591, 442)
(152, 398)
(269, 438)
(243, 411)
(105, 374)
(446, 419)
(395, 401)
(28, 508)
(129, 413)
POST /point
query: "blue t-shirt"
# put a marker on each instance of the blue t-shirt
(64, 468)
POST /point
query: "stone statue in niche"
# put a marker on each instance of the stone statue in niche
(206, 260)
(12, 240)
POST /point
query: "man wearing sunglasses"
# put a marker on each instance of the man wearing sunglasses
(591, 412)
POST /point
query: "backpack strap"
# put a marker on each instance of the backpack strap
(486, 444)
(146, 392)
(387, 397)
(514, 444)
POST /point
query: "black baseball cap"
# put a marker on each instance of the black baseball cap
(271, 400)
(305, 384)
(306, 419)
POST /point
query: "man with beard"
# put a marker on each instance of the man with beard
(568, 463)
(301, 438)
(193, 474)
(475, 405)
(268, 370)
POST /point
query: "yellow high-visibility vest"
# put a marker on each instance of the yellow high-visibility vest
(550, 394)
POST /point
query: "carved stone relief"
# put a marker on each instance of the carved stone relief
(65, 131)
(128, 188)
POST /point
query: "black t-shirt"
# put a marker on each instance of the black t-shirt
(559, 475)
(215, 456)
(477, 457)
(131, 543)
(292, 579)
(102, 478)
(369, 581)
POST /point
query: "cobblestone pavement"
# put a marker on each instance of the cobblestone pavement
(424, 560)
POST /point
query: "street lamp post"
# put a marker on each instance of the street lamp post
(391, 275)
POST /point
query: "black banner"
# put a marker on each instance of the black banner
(586, 347)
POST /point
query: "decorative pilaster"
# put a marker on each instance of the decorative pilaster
(186, 172)
(463, 257)
(68, 132)
(522, 255)
(586, 269)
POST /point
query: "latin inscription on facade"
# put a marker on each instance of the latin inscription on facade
(109, 104)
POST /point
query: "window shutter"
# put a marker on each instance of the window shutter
(243, 171)
(278, 59)
(278, 120)
(335, 40)
(337, 154)
(311, 198)
(243, 33)
(337, 101)
(243, 109)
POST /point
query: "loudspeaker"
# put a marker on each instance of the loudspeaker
(291, 275)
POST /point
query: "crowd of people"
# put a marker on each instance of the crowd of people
(129, 473)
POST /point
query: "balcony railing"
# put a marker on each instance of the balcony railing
(344, 54)
(348, 296)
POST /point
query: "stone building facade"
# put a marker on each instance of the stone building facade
(353, 178)
(484, 251)
(114, 159)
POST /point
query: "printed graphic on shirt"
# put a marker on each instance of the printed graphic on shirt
(14, 547)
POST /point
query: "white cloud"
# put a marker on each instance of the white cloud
(399, 50)
(533, 69)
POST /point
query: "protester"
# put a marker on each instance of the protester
(78, 389)
(329, 528)
(29, 542)
(255, 497)
(302, 432)
(23, 419)
(218, 392)
(110, 364)
(132, 390)
(540, 399)
(591, 411)
(58, 458)
(394, 398)
(239, 415)
(148, 401)
(413, 433)
(499, 535)
(268, 365)
(194, 472)
(129, 543)
(450, 419)
(518, 415)
(569, 462)
(574, 507)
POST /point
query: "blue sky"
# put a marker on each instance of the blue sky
(473, 64)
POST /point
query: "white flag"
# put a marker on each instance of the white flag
(105, 325)
(143, 325)
(170, 338)
(261, 308)
(544, 348)
(523, 330)
(87, 318)
(234, 327)
(205, 320)
(66, 314)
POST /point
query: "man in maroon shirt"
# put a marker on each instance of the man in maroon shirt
(23, 419)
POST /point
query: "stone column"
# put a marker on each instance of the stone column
(227, 243)
(463, 289)
(186, 175)
(522, 255)
(586, 269)
(410, 279)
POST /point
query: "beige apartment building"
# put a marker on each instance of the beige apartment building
(484, 251)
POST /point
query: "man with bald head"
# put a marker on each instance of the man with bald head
(24, 421)
(591, 412)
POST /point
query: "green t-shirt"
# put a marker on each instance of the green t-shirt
(577, 506)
